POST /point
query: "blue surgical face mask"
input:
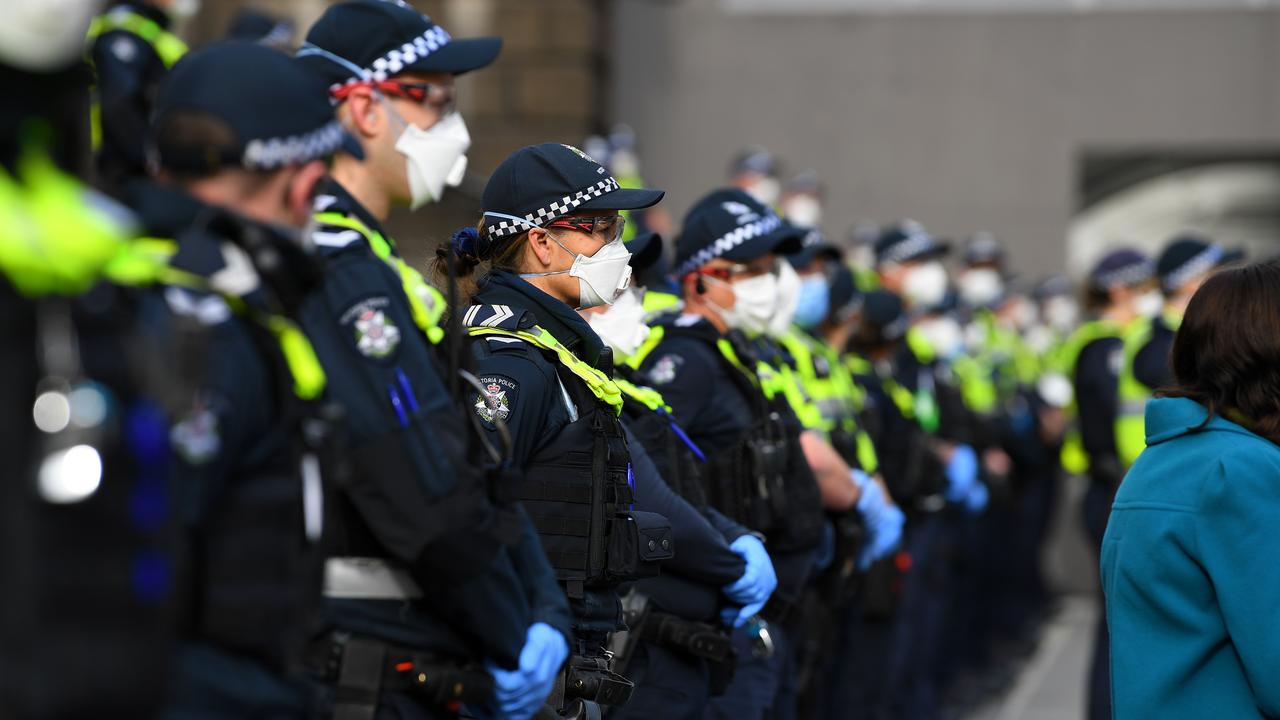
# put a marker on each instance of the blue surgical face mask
(814, 301)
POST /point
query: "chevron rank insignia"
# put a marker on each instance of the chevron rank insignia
(498, 316)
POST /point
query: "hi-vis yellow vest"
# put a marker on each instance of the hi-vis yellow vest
(425, 302)
(169, 47)
(1131, 431)
(1073, 457)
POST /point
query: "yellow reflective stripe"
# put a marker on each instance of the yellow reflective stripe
(1073, 457)
(304, 365)
(656, 303)
(308, 373)
(426, 304)
(920, 346)
(976, 387)
(866, 449)
(52, 240)
(726, 350)
(144, 261)
(788, 385)
(168, 46)
(646, 396)
(1130, 424)
(901, 397)
(656, 334)
(601, 385)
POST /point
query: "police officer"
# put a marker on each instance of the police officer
(681, 653)
(909, 261)
(1118, 288)
(479, 586)
(87, 552)
(551, 237)
(755, 170)
(1182, 267)
(131, 47)
(708, 374)
(240, 142)
(828, 383)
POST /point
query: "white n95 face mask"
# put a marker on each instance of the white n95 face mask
(784, 311)
(803, 210)
(622, 326)
(755, 300)
(182, 10)
(1148, 304)
(980, 287)
(944, 334)
(925, 285)
(45, 35)
(601, 277)
(434, 158)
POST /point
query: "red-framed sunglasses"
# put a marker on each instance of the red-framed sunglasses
(610, 226)
(441, 97)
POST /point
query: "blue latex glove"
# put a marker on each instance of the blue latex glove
(976, 501)
(752, 590)
(962, 473)
(882, 518)
(519, 693)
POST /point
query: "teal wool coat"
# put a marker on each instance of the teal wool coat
(1191, 571)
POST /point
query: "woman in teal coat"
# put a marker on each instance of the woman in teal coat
(1191, 558)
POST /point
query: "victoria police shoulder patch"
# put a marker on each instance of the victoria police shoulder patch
(665, 369)
(372, 329)
(494, 404)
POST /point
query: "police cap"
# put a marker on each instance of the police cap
(375, 40)
(277, 113)
(1125, 266)
(908, 242)
(541, 183)
(733, 225)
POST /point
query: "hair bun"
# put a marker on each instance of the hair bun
(464, 242)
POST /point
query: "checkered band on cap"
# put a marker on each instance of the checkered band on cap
(275, 153)
(557, 209)
(1201, 263)
(729, 241)
(399, 58)
(913, 245)
(1128, 275)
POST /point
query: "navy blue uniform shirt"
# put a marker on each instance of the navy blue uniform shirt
(389, 379)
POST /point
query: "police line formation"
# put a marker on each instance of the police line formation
(266, 468)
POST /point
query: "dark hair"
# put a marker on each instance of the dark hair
(1226, 355)
(204, 143)
(472, 252)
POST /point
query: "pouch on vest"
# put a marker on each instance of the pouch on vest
(638, 543)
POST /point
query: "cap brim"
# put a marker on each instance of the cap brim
(460, 56)
(786, 240)
(1233, 255)
(624, 199)
(646, 250)
(808, 253)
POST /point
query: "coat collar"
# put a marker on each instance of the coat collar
(1168, 418)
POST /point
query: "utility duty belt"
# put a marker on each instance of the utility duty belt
(361, 668)
(701, 640)
(584, 685)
